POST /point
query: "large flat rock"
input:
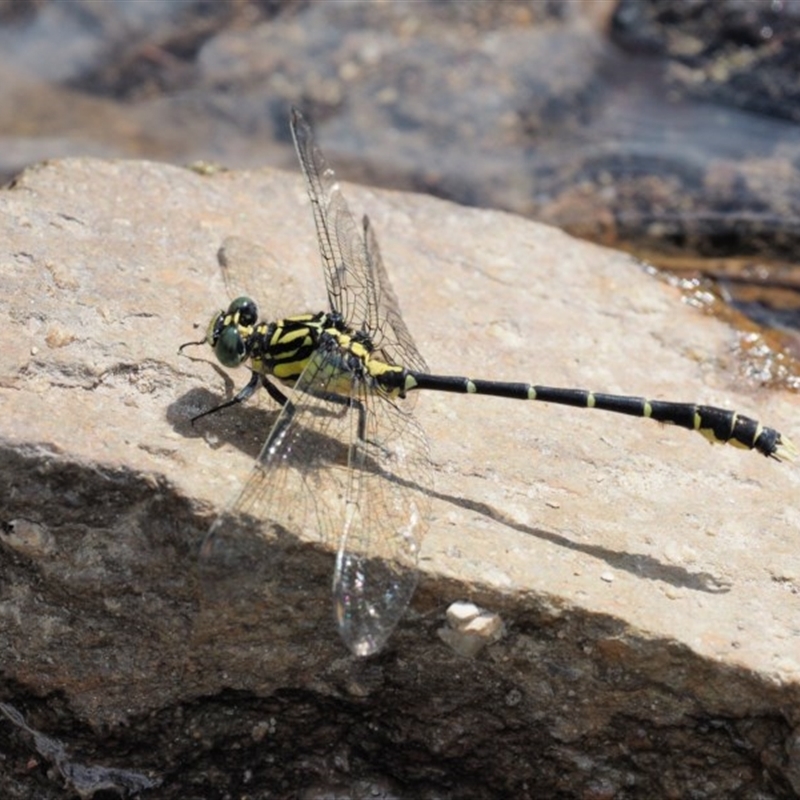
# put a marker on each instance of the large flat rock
(642, 574)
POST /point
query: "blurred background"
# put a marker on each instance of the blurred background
(668, 128)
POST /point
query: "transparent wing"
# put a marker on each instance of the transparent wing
(386, 515)
(337, 232)
(390, 336)
(317, 480)
(356, 279)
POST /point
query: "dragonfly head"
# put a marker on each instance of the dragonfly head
(230, 330)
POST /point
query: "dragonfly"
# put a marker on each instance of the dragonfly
(346, 462)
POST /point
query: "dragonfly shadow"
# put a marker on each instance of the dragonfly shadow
(246, 427)
(638, 564)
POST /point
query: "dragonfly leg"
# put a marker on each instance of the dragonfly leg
(243, 394)
(274, 392)
(347, 402)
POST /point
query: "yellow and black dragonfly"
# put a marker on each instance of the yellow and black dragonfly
(346, 459)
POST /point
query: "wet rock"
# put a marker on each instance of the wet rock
(665, 129)
(742, 55)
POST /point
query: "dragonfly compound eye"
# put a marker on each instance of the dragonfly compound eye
(247, 311)
(229, 348)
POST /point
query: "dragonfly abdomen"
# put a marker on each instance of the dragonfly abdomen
(715, 424)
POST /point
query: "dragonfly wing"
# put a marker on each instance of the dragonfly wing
(317, 480)
(326, 204)
(385, 522)
(391, 336)
(358, 285)
(347, 275)
(293, 499)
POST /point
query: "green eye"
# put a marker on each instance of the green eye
(230, 349)
(246, 309)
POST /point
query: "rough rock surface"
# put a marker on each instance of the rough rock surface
(647, 581)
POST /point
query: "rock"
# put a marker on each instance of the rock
(648, 644)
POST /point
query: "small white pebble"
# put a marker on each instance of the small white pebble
(470, 628)
(461, 613)
(486, 625)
